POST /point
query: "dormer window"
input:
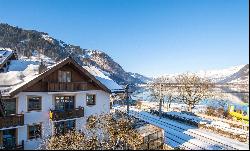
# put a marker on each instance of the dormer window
(64, 76)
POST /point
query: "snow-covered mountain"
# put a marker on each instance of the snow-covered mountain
(30, 43)
(240, 77)
(219, 75)
(235, 74)
(141, 77)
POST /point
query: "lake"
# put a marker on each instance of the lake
(227, 96)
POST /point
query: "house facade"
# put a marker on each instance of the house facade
(53, 102)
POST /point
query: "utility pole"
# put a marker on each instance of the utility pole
(160, 107)
(127, 97)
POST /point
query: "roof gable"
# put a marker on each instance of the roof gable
(51, 69)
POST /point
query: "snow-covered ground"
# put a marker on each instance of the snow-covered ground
(199, 116)
(187, 137)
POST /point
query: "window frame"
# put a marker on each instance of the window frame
(13, 100)
(64, 103)
(34, 136)
(93, 101)
(34, 96)
(64, 76)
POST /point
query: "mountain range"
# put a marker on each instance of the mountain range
(232, 75)
(239, 77)
(28, 42)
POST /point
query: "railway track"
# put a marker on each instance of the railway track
(206, 141)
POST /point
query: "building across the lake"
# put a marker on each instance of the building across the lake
(58, 99)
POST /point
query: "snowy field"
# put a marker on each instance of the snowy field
(185, 136)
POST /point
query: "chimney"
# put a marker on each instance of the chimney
(42, 67)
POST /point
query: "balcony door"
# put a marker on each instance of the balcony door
(8, 140)
(63, 103)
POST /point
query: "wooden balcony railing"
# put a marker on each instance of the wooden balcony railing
(67, 86)
(11, 121)
(56, 115)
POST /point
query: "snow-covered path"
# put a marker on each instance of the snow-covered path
(188, 137)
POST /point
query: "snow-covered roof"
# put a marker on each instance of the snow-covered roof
(19, 73)
(4, 54)
(23, 72)
(148, 129)
(109, 83)
(21, 65)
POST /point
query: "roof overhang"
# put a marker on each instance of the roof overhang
(68, 60)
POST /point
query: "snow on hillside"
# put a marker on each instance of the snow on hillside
(242, 76)
(141, 77)
(219, 74)
(37, 57)
(48, 38)
(25, 41)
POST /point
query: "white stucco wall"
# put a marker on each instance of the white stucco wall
(32, 117)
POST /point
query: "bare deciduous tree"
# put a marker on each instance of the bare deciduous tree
(163, 87)
(103, 132)
(192, 89)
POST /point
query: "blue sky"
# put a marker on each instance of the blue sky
(150, 37)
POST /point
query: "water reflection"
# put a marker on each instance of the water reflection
(225, 96)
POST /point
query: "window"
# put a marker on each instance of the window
(34, 103)
(64, 126)
(64, 76)
(35, 131)
(64, 102)
(10, 106)
(91, 99)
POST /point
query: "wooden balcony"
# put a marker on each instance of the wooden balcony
(12, 121)
(67, 86)
(56, 115)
